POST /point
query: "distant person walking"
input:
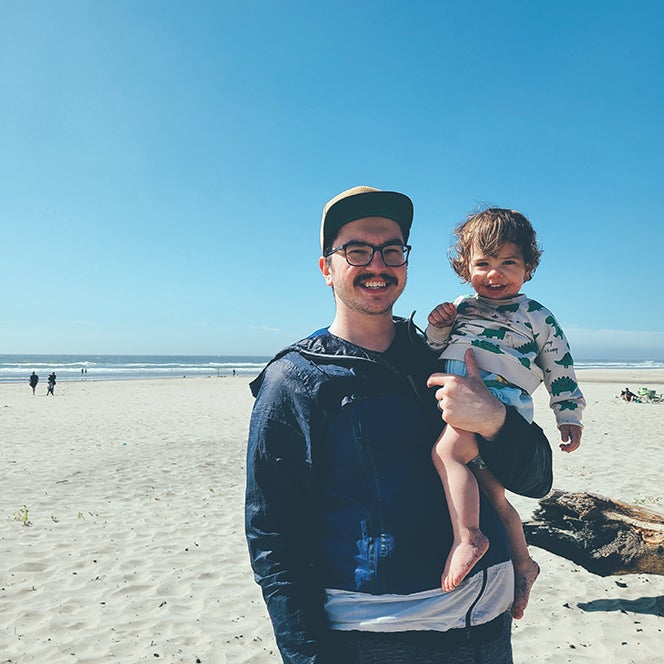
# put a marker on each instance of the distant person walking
(51, 384)
(34, 379)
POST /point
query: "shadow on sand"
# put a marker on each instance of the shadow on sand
(653, 606)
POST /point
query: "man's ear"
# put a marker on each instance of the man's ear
(324, 265)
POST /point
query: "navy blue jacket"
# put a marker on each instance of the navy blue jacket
(341, 489)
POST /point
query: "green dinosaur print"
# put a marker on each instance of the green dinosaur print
(552, 321)
(504, 308)
(534, 306)
(565, 361)
(487, 345)
(530, 347)
(493, 334)
(562, 384)
(463, 306)
(525, 361)
(567, 405)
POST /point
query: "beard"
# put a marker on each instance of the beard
(361, 298)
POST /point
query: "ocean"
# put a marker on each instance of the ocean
(17, 368)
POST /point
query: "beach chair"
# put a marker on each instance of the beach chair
(653, 397)
(647, 395)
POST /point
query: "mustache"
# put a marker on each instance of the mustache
(383, 276)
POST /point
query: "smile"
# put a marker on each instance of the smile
(375, 283)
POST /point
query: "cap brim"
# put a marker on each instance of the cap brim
(387, 204)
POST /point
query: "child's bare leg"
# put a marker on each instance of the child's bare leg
(526, 569)
(450, 454)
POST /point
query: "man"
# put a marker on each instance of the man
(34, 379)
(346, 519)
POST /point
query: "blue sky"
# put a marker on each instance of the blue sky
(163, 165)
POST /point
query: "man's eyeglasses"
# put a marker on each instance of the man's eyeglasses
(359, 254)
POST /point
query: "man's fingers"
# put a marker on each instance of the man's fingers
(437, 379)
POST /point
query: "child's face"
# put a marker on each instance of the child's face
(501, 276)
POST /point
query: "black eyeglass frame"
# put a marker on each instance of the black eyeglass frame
(374, 248)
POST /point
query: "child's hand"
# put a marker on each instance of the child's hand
(443, 315)
(570, 434)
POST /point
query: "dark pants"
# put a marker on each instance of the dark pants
(486, 644)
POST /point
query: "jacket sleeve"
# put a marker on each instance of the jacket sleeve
(520, 456)
(279, 523)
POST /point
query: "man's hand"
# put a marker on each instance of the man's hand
(570, 434)
(443, 315)
(466, 402)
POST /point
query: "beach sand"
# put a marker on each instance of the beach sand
(121, 527)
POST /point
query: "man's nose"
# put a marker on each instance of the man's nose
(377, 256)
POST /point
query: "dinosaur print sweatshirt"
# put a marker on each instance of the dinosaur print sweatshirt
(517, 339)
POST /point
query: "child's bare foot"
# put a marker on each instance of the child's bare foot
(462, 559)
(524, 578)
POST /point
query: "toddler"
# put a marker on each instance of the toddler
(517, 344)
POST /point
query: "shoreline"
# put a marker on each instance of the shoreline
(128, 379)
(645, 376)
(653, 376)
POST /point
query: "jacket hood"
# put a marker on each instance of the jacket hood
(323, 347)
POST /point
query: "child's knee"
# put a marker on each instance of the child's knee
(456, 445)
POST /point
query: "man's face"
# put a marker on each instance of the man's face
(372, 289)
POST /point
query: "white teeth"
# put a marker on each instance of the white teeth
(374, 284)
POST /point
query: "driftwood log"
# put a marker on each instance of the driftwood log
(604, 536)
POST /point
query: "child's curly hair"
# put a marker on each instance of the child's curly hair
(488, 230)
